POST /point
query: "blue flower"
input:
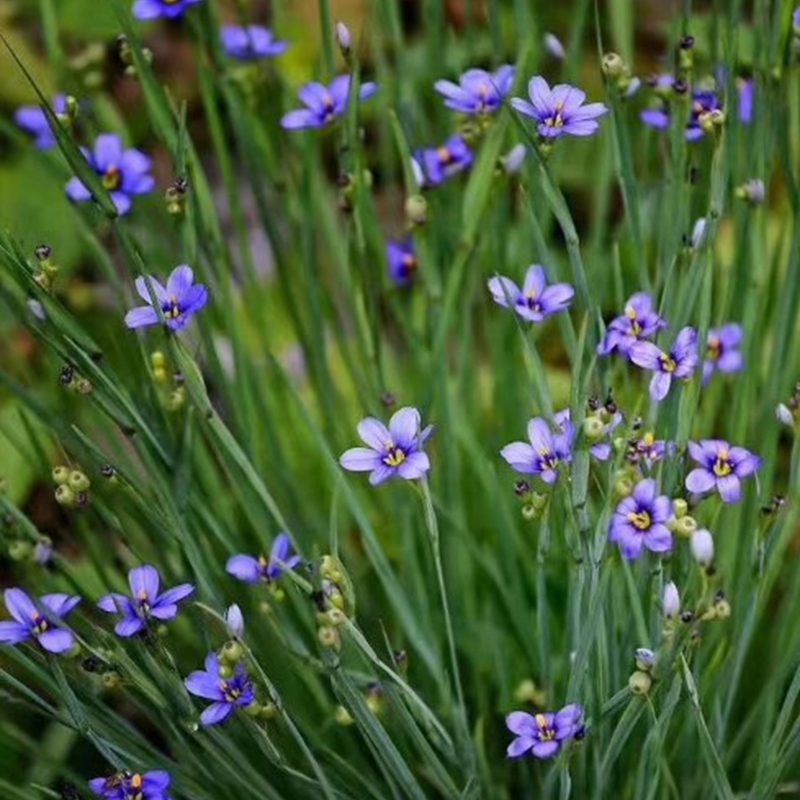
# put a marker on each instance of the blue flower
(395, 451)
(434, 165)
(535, 301)
(153, 785)
(543, 735)
(226, 694)
(679, 362)
(252, 570)
(324, 104)
(180, 300)
(145, 602)
(34, 121)
(559, 111)
(250, 42)
(546, 452)
(478, 91)
(157, 9)
(123, 173)
(402, 260)
(38, 621)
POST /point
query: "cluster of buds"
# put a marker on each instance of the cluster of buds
(533, 503)
(789, 412)
(718, 608)
(601, 419)
(641, 680)
(171, 389)
(72, 487)
(71, 380)
(175, 196)
(125, 53)
(48, 270)
(331, 602)
(618, 74)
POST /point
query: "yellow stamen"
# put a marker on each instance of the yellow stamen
(640, 521)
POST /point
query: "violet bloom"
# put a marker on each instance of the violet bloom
(640, 521)
(250, 42)
(434, 165)
(401, 258)
(649, 450)
(324, 104)
(640, 321)
(536, 300)
(543, 735)
(546, 452)
(153, 785)
(263, 569)
(226, 694)
(180, 300)
(123, 173)
(145, 602)
(679, 362)
(39, 621)
(161, 9)
(395, 451)
(478, 91)
(34, 121)
(722, 351)
(559, 111)
(721, 468)
(703, 102)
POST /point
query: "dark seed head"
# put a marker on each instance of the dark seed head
(687, 43)
(687, 616)
(521, 488)
(43, 252)
(680, 86)
(66, 376)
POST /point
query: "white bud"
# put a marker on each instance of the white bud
(514, 159)
(784, 415)
(702, 545)
(699, 232)
(553, 46)
(633, 86)
(671, 602)
(343, 37)
(234, 621)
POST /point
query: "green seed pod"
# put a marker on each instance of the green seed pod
(232, 652)
(253, 710)
(336, 617)
(723, 609)
(416, 210)
(78, 482)
(639, 683)
(680, 508)
(614, 66)
(268, 711)
(685, 526)
(60, 475)
(539, 501)
(328, 637)
(20, 550)
(65, 496)
(593, 428)
(623, 486)
(225, 671)
(111, 679)
(529, 512)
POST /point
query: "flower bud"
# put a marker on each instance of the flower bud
(78, 482)
(234, 621)
(111, 679)
(225, 671)
(784, 415)
(753, 191)
(268, 711)
(344, 39)
(639, 683)
(529, 512)
(514, 159)
(328, 637)
(65, 496)
(60, 475)
(680, 508)
(231, 653)
(593, 428)
(712, 120)
(645, 659)
(416, 210)
(20, 550)
(723, 608)
(623, 487)
(336, 617)
(553, 46)
(685, 526)
(702, 546)
(671, 601)
(614, 66)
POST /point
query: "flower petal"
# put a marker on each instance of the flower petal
(360, 459)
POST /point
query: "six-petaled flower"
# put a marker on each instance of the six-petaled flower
(543, 735)
(679, 362)
(535, 301)
(38, 621)
(640, 321)
(395, 451)
(250, 42)
(145, 602)
(546, 453)
(639, 521)
(478, 91)
(153, 785)
(722, 351)
(720, 468)
(324, 104)
(123, 173)
(226, 693)
(180, 300)
(434, 165)
(267, 569)
(559, 111)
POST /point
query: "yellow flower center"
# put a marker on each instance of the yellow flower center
(112, 178)
(173, 309)
(714, 348)
(668, 363)
(39, 623)
(546, 734)
(722, 466)
(444, 155)
(641, 520)
(648, 439)
(409, 263)
(394, 456)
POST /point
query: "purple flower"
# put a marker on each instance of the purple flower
(402, 260)
(324, 104)
(180, 300)
(536, 300)
(649, 450)
(157, 9)
(38, 620)
(250, 42)
(639, 522)
(478, 91)
(640, 321)
(553, 46)
(234, 621)
(123, 173)
(546, 452)
(145, 602)
(395, 451)
(226, 694)
(559, 111)
(434, 165)
(34, 121)
(721, 468)
(679, 362)
(703, 102)
(268, 570)
(722, 351)
(543, 735)
(153, 785)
